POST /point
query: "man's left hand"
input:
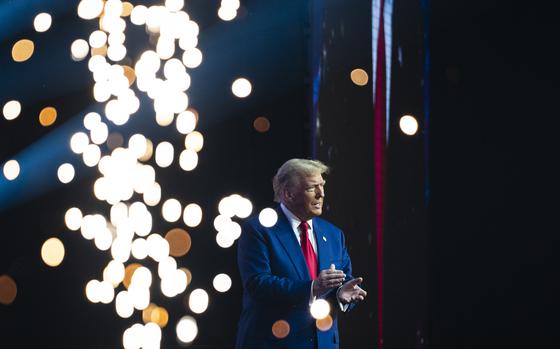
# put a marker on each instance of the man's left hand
(350, 292)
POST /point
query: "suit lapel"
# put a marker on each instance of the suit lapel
(285, 234)
(323, 255)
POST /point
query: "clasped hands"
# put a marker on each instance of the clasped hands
(349, 292)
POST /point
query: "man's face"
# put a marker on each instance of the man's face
(305, 200)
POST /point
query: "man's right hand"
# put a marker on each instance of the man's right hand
(327, 279)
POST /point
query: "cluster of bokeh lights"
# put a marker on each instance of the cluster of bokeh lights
(127, 174)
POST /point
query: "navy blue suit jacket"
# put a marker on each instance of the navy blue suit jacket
(277, 285)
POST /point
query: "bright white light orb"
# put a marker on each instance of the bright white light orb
(174, 5)
(188, 160)
(92, 291)
(11, 170)
(116, 53)
(171, 210)
(408, 125)
(158, 247)
(186, 122)
(42, 22)
(227, 13)
(192, 58)
(320, 309)
(224, 240)
(198, 301)
(66, 173)
(73, 218)
(114, 272)
(91, 119)
(164, 154)
(241, 88)
(138, 15)
(142, 277)
(192, 215)
(244, 208)
(79, 49)
(79, 142)
(89, 9)
(221, 222)
(99, 133)
(123, 305)
(11, 110)
(227, 205)
(187, 329)
(91, 155)
(268, 217)
(194, 141)
(140, 249)
(97, 39)
(222, 282)
(152, 195)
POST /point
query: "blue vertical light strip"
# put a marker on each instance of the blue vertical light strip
(425, 5)
(316, 49)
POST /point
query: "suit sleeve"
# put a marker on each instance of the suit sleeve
(346, 267)
(253, 257)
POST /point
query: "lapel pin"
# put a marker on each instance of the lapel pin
(325, 239)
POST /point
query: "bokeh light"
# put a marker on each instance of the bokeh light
(164, 154)
(268, 217)
(11, 110)
(198, 301)
(79, 142)
(65, 173)
(188, 159)
(8, 289)
(320, 308)
(222, 282)
(280, 329)
(128, 272)
(179, 242)
(408, 125)
(22, 50)
(186, 329)
(42, 22)
(171, 210)
(194, 141)
(359, 77)
(261, 124)
(47, 116)
(241, 87)
(52, 252)
(73, 218)
(79, 49)
(192, 215)
(324, 324)
(11, 170)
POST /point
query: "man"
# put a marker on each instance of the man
(286, 267)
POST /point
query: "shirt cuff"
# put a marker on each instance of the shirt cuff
(311, 298)
(343, 307)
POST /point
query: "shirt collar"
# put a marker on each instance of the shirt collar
(294, 220)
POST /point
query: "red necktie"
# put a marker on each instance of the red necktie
(307, 249)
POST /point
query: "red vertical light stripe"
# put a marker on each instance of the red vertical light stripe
(379, 164)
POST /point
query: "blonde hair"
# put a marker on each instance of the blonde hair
(290, 173)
